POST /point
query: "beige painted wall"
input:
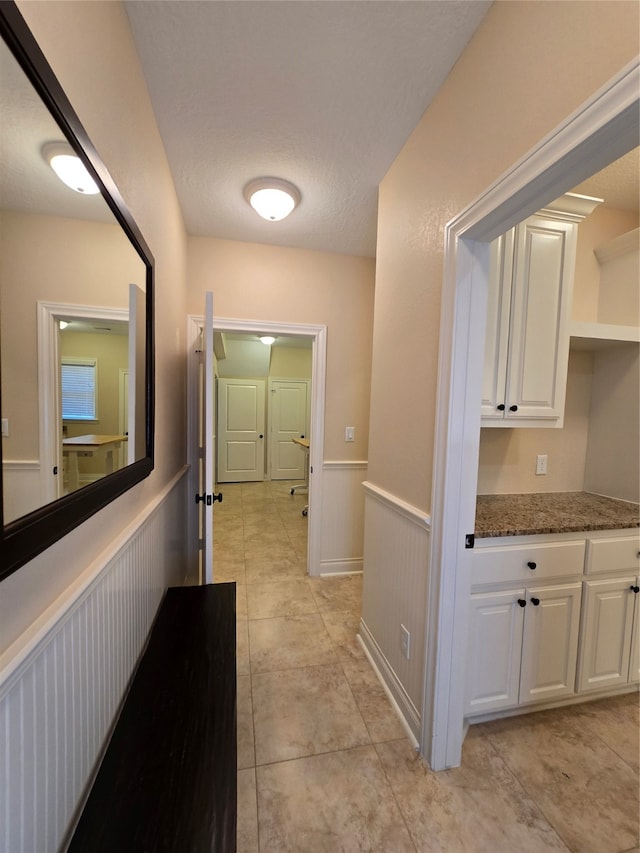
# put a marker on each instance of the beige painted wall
(90, 47)
(257, 282)
(528, 67)
(613, 453)
(596, 230)
(290, 363)
(81, 263)
(507, 461)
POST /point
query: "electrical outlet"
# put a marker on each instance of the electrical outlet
(5, 427)
(405, 641)
(541, 463)
(349, 433)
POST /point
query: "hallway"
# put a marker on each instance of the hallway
(324, 763)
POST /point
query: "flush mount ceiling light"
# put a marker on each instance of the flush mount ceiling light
(272, 198)
(267, 340)
(69, 167)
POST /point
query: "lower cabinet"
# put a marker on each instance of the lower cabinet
(523, 645)
(610, 655)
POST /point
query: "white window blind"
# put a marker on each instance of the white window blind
(79, 394)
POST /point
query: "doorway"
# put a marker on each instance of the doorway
(317, 335)
(601, 131)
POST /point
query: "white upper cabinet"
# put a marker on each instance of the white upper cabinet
(528, 317)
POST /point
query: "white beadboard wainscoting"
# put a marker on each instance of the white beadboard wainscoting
(21, 479)
(62, 685)
(341, 546)
(394, 590)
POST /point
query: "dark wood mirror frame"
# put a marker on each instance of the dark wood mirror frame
(28, 536)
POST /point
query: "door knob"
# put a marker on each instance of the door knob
(635, 589)
(513, 408)
(522, 602)
(500, 407)
(532, 565)
(260, 436)
(535, 601)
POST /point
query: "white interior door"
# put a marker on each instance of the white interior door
(206, 447)
(288, 407)
(123, 415)
(240, 434)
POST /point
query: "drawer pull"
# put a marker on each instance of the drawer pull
(535, 601)
(522, 602)
(635, 589)
(532, 565)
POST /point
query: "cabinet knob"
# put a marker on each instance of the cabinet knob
(535, 601)
(532, 565)
(501, 407)
(513, 408)
(635, 589)
(522, 602)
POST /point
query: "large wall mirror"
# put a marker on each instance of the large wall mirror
(76, 317)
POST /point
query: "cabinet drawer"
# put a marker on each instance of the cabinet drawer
(621, 554)
(511, 563)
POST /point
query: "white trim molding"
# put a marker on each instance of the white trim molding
(318, 334)
(49, 405)
(62, 682)
(342, 522)
(600, 131)
(407, 711)
(410, 512)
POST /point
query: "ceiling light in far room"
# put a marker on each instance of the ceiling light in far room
(267, 340)
(272, 198)
(69, 167)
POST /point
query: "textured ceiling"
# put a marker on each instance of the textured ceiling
(618, 184)
(323, 94)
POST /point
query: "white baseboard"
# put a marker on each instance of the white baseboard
(341, 567)
(407, 711)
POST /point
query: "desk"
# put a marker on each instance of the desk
(88, 445)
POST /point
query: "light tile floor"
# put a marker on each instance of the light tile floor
(323, 762)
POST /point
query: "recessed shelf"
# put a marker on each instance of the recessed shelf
(593, 336)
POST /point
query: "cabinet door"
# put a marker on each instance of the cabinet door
(497, 339)
(606, 633)
(634, 664)
(544, 260)
(493, 658)
(550, 642)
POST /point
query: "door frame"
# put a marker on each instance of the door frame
(596, 134)
(318, 335)
(49, 403)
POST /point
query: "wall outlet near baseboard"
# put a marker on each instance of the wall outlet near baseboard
(541, 463)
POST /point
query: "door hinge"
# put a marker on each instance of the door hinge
(469, 540)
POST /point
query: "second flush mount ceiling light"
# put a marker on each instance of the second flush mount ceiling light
(69, 167)
(272, 198)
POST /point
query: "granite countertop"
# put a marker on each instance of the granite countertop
(553, 512)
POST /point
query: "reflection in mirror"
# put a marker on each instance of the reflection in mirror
(63, 247)
(76, 343)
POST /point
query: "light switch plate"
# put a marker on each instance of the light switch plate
(5, 427)
(349, 433)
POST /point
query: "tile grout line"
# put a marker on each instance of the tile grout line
(529, 794)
